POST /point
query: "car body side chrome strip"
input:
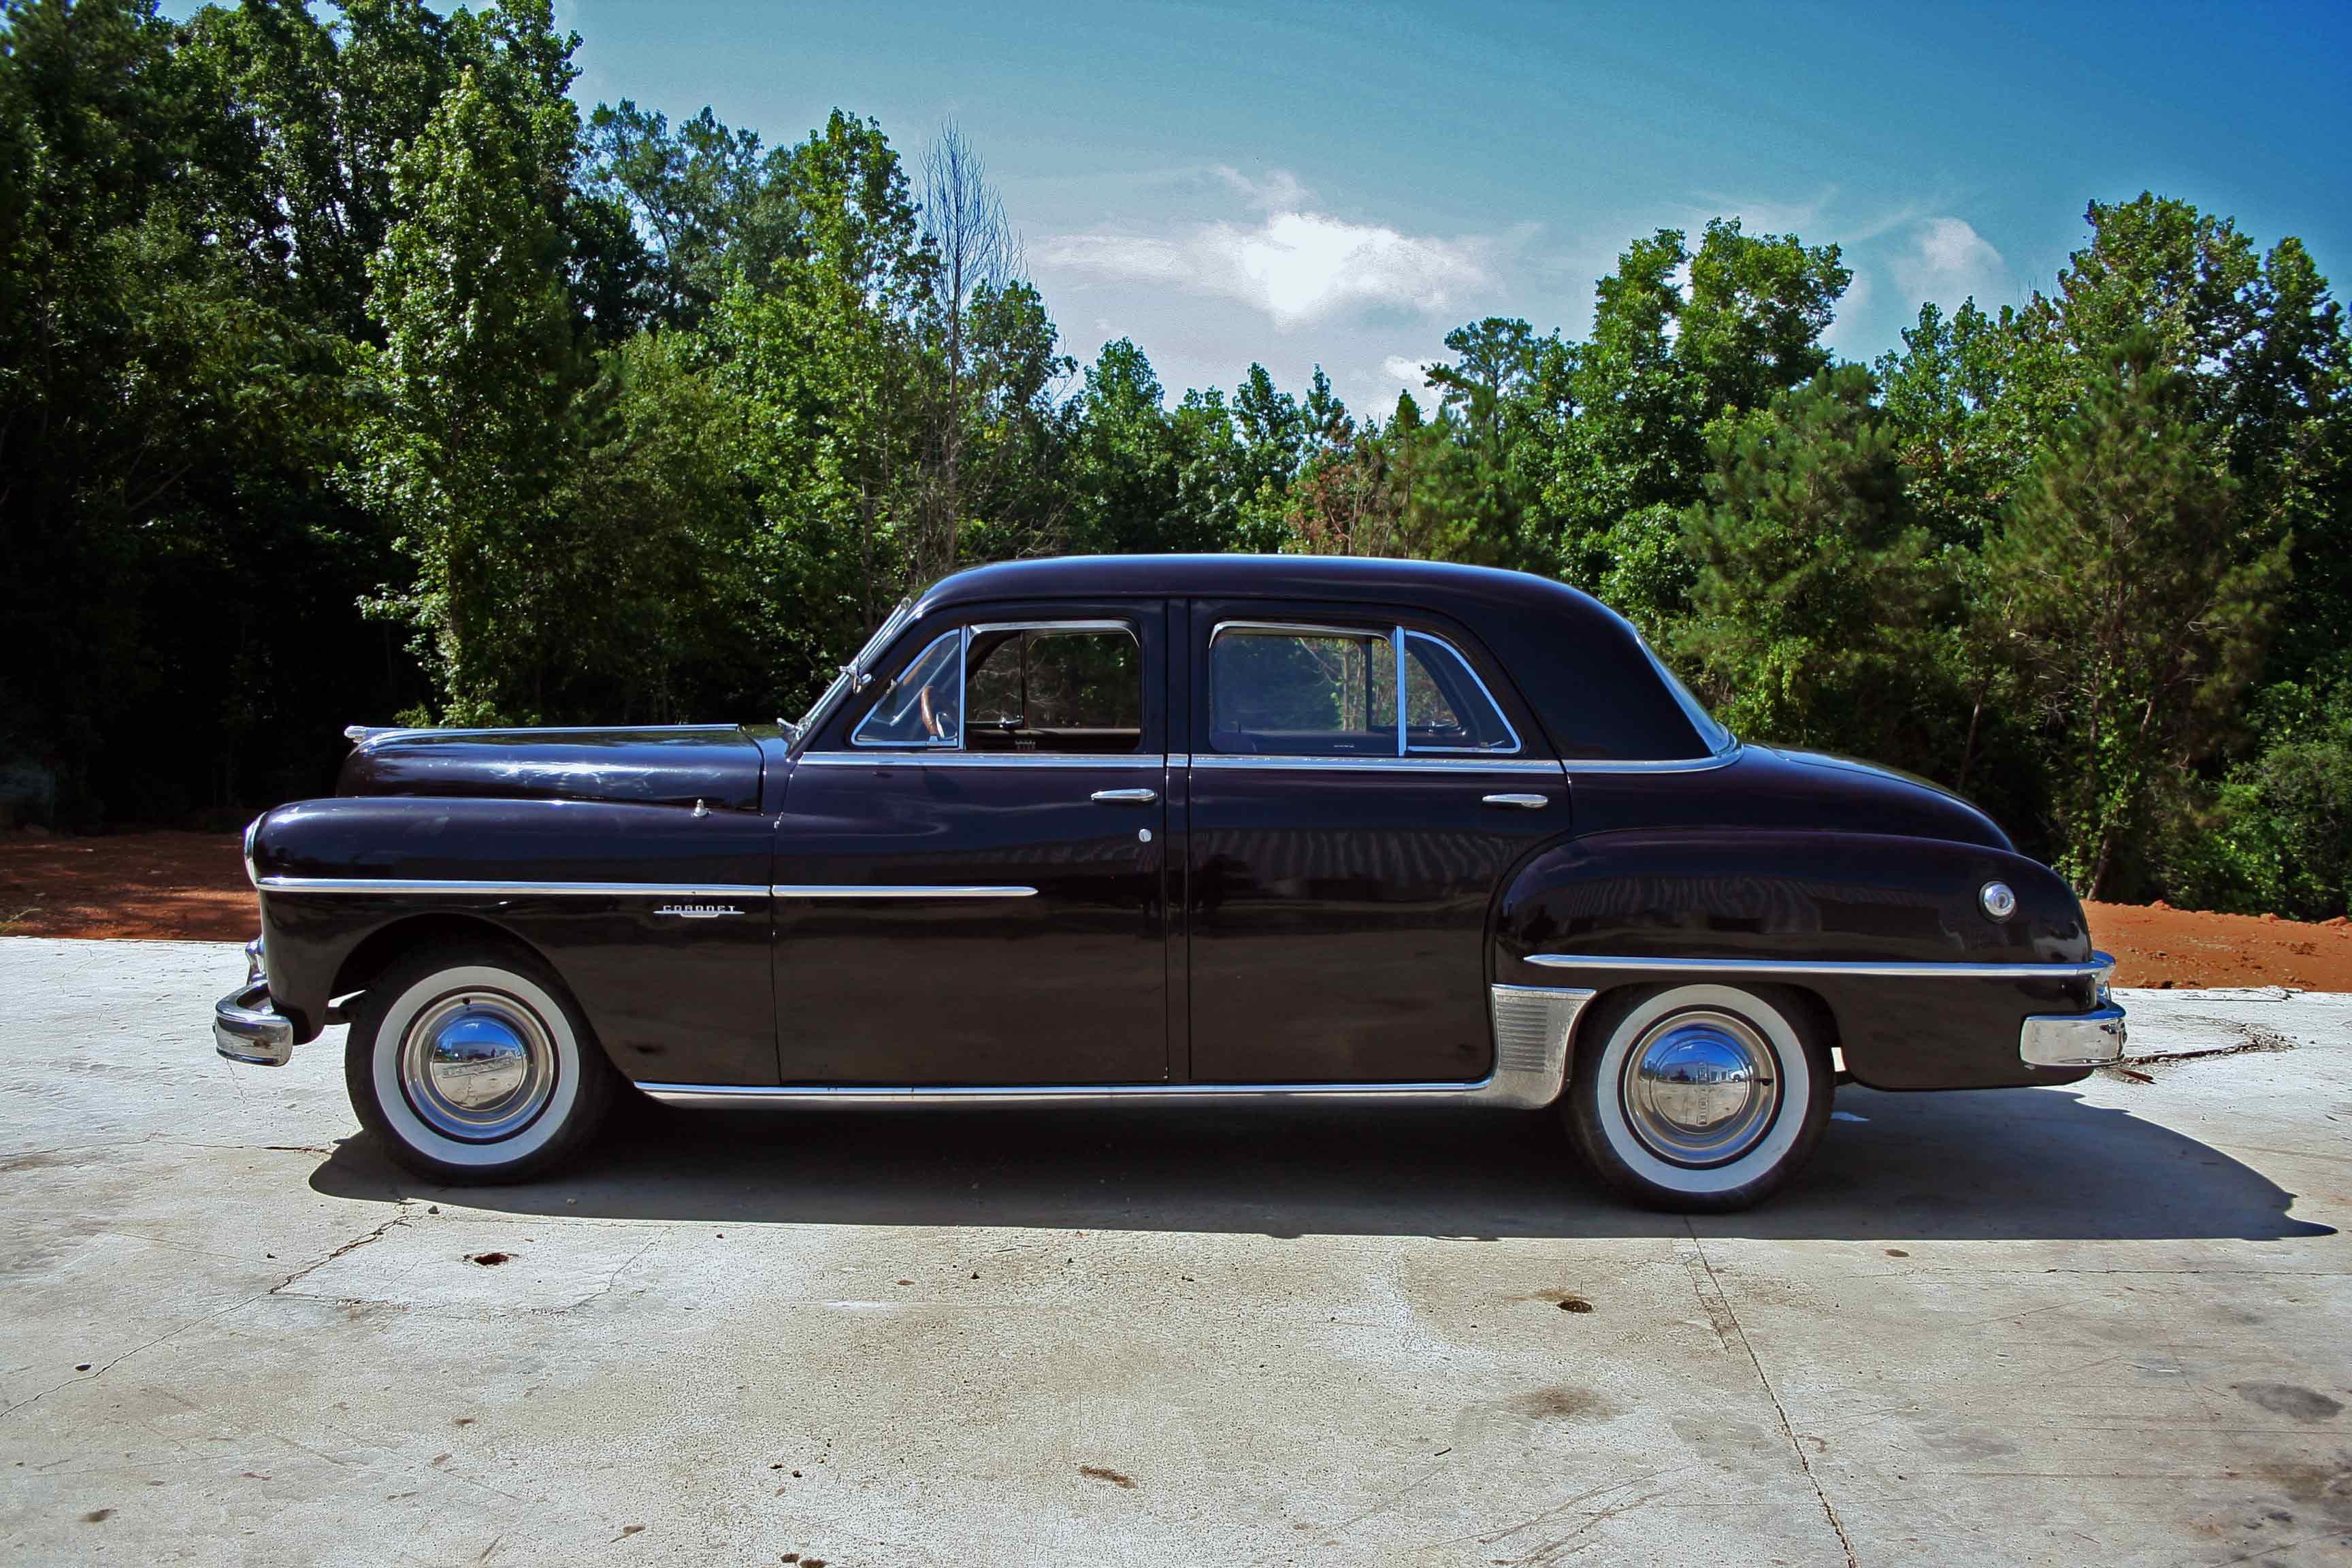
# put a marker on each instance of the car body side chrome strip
(898, 890)
(1721, 759)
(409, 887)
(1533, 1028)
(1868, 968)
(1418, 762)
(877, 757)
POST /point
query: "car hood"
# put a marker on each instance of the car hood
(718, 764)
(1864, 797)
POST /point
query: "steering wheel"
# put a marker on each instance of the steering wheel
(932, 725)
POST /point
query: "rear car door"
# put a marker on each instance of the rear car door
(970, 865)
(1345, 845)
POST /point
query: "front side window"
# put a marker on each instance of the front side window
(1332, 692)
(1054, 688)
(1074, 687)
(924, 706)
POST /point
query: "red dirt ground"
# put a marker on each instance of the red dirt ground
(191, 886)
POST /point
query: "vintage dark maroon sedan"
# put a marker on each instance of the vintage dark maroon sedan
(1172, 827)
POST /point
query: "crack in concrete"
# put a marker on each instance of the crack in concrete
(1780, 1411)
(98, 1372)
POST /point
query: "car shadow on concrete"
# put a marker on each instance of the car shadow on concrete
(1987, 1165)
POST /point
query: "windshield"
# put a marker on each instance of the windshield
(1714, 736)
(897, 617)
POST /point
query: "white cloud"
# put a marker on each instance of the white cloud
(1294, 265)
(1948, 260)
(1279, 192)
(1405, 372)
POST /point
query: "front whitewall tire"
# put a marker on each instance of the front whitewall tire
(393, 1098)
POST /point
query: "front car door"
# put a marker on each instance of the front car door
(969, 864)
(1361, 781)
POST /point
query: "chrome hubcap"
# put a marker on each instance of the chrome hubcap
(478, 1066)
(1699, 1088)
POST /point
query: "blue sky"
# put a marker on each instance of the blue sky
(1304, 183)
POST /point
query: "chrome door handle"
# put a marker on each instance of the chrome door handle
(1126, 796)
(1532, 802)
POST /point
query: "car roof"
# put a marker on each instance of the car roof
(1579, 664)
(1259, 576)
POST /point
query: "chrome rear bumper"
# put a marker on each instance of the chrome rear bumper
(2076, 1039)
(2073, 1039)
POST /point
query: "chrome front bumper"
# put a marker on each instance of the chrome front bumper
(245, 1024)
(2076, 1039)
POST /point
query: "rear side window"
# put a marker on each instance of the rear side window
(1290, 691)
(1302, 691)
(1446, 707)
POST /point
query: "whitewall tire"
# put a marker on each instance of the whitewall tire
(473, 1064)
(1698, 1098)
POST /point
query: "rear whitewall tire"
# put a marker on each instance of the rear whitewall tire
(1788, 1113)
(567, 1084)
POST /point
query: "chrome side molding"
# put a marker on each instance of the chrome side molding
(1533, 1026)
(1870, 968)
(413, 886)
(684, 894)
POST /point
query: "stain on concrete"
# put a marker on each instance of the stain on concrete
(1560, 1402)
(1104, 1473)
(2288, 1399)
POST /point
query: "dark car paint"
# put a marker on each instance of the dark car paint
(716, 763)
(1282, 925)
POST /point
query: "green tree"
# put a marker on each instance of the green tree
(2135, 600)
(1819, 604)
(474, 382)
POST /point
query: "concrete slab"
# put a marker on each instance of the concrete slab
(2104, 1324)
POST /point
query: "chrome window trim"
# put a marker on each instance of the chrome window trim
(1294, 628)
(1418, 762)
(875, 757)
(417, 887)
(898, 890)
(1903, 969)
(1514, 749)
(846, 680)
(963, 657)
(1096, 625)
(1396, 643)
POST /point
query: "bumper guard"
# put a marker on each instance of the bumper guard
(246, 1027)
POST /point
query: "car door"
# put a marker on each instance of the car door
(1345, 845)
(971, 861)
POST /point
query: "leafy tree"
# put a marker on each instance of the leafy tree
(1819, 603)
(474, 382)
(1758, 307)
(2136, 602)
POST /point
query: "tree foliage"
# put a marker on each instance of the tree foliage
(349, 371)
